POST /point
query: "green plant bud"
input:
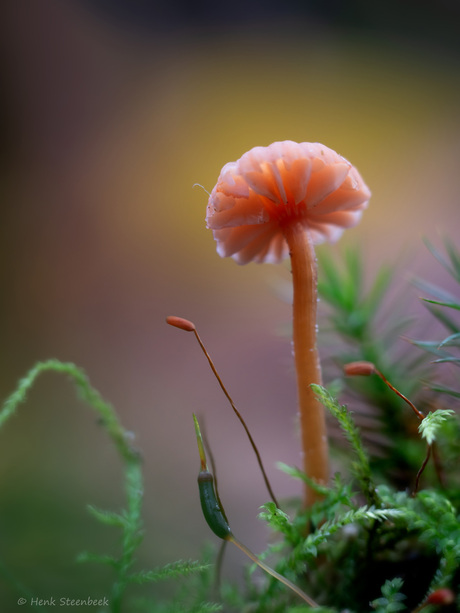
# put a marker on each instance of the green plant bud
(212, 509)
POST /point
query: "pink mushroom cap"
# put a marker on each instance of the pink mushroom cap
(269, 187)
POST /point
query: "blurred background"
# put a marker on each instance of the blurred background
(111, 111)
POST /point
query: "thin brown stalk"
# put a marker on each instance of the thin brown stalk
(419, 414)
(422, 468)
(238, 414)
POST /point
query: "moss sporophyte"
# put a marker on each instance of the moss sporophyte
(277, 201)
(188, 326)
(216, 518)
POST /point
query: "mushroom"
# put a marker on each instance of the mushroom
(277, 201)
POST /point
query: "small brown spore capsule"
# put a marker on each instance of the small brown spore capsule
(443, 596)
(362, 368)
(180, 322)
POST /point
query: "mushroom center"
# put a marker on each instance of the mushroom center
(286, 212)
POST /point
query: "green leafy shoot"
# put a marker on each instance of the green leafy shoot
(278, 520)
(440, 314)
(361, 467)
(432, 347)
(130, 520)
(441, 296)
(450, 305)
(192, 583)
(452, 359)
(169, 571)
(363, 326)
(445, 350)
(452, 340)
(363, 515)
(107, 414)
(452, 266)
(110, 518)
(391, 599)
(432, 423)
(296, 473)
(442, 389)
(342, 288)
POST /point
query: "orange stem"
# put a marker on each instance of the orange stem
(308, 368)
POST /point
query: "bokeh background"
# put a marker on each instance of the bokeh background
(111, 112)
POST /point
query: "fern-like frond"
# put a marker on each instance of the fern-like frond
(130, 521)
(362, 515)
(110, 518)
(174, 570)
(431, 424)
(391, 600)
(361, 467)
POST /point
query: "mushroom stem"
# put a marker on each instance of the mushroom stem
(307, 364)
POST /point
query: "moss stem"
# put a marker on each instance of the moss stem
(307, 364)
(272, 572)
